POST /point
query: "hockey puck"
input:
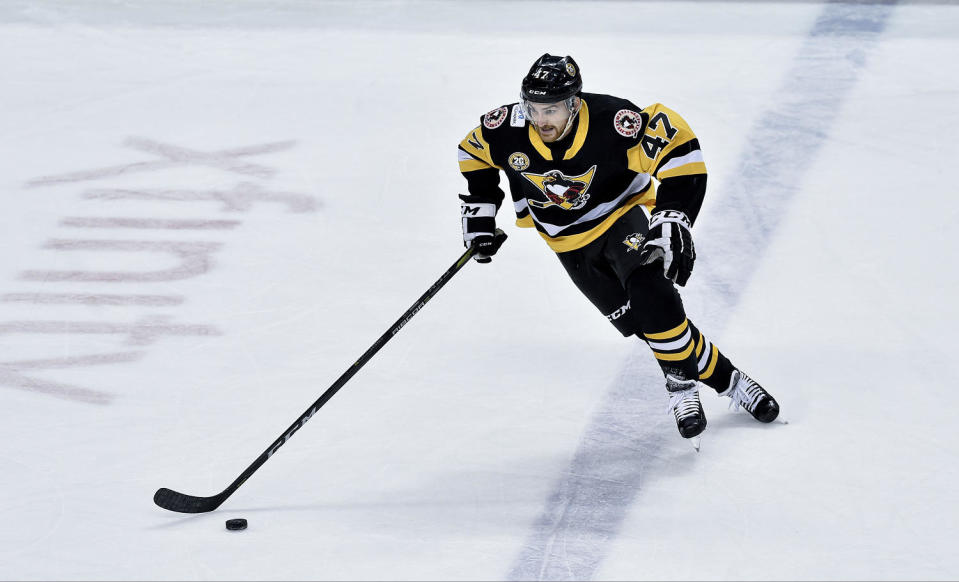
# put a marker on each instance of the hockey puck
(235, 524)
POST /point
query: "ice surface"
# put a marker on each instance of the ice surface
(210, 210)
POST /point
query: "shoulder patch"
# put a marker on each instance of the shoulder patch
(627, 122)
(495, 118)
(518, 118)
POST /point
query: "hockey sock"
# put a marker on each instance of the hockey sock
(663, 323)
(715, 369)
(680, 348)
(675, 350)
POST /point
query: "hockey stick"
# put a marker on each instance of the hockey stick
(183, 503)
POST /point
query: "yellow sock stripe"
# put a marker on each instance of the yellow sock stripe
(677, 356)
(712, 365)
(699, 346)
(675, 332)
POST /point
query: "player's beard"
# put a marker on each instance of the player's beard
(548, 133)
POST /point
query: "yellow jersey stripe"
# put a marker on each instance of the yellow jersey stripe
(473, 165)
(637, 161)
(476, 145)
(675, 143)
(580, 138)
(684, 170)
(525, 222)
(538, 144)
(562, 244)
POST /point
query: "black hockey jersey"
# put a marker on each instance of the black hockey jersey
(573, 190)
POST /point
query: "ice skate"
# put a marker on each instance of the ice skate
(748, 394)
(684, 403)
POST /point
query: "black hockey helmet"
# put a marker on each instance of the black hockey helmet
(552, 79)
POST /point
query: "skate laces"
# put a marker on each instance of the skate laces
(684, 403)
(746, 393)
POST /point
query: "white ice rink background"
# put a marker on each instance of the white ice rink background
(208, 211)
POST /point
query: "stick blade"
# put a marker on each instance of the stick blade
(182, 503)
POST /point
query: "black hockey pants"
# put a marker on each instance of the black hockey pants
(638, 300)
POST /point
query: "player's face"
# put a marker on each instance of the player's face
(549, 119)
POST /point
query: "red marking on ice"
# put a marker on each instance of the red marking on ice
(194, 260)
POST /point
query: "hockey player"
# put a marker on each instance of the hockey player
(583, 170)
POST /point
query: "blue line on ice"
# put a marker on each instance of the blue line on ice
(586, 509)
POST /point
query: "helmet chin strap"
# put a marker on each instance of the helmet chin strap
(572, 117)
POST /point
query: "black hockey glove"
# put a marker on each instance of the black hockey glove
(669, 239)
(479, 227)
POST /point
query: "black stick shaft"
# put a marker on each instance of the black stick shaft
(174, 501)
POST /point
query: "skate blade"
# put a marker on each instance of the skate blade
(696, 441)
